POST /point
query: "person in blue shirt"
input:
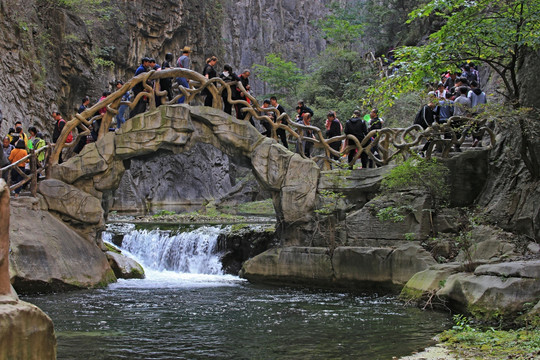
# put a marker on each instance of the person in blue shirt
(141, 105)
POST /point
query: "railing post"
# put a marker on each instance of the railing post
(48, 161)
(33, 173)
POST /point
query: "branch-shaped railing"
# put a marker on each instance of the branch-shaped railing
(389, 142)
(37, 169)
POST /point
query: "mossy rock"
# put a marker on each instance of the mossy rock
(427, 281)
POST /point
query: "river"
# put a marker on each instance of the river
(186, 308)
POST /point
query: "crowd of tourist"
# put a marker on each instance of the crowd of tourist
(15, 147)
(457, 94)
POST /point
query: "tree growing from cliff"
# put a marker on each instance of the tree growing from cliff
(282, 76)
(496, 33)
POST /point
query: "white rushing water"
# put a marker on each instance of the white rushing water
(193, 252)
(184, 259)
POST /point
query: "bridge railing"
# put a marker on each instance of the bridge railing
(390, 142)
(37, 169)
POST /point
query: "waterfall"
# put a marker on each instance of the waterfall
(191, 252)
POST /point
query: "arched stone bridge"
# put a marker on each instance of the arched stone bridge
(80, 187)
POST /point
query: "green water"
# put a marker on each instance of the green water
(184, 316)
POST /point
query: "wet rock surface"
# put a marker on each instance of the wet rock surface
(47, 255)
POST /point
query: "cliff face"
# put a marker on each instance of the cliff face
(252, 29)
(51, 56)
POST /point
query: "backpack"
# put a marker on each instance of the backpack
(70, 135)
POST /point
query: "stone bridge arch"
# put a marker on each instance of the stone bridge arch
(81, 188)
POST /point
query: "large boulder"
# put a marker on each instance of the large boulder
(241, 244)
(495, 291)
(425, 282)
(124, 267)
(520, 269)
(362, 265)
(26, 332)
(290, 265)
(48, 255)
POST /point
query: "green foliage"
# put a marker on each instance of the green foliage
(394, 214)
(461, 323)
(410, 236)
(263, 207)
(420, 173)
(341, 33)
(497, 33)
(283, 76)
(337, 79)
(471, 343)
(163, 213)
(238, 227)
(330, 201)
(376, 25)
(103, 63)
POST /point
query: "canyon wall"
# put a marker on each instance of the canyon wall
(52, 55)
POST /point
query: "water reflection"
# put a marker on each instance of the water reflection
(233, 320)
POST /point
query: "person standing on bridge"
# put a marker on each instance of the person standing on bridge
(356, 127)
(17, 154)
(165, 84)
(209, 72)
(333, 129)
(228, 76)
(279, 132)
(82, 141)
(139, 87)
(375, 123)
(305, 145)
(244, 80)
(183, 63)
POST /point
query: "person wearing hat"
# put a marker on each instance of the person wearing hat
(183, 62)
(22, 134)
